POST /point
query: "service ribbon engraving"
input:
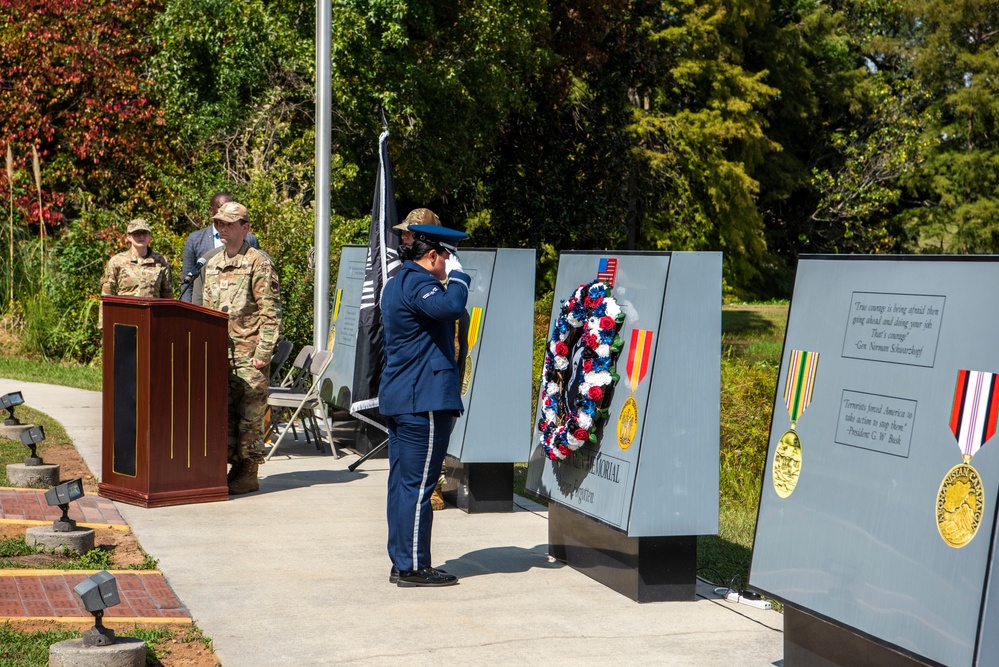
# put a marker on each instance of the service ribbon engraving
(961, 498)
(474, 331)
(798, 387)
(639, 354)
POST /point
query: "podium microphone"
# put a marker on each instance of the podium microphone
(195, 271)
(187, 282)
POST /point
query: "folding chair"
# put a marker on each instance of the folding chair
(296, 375)
(281, 353)
(309, 401)
(294, 381)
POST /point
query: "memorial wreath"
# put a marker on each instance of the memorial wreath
(587, 325)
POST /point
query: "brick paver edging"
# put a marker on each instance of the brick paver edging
(48, 594)
(29, 505)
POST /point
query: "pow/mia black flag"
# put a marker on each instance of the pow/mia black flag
(383, 263)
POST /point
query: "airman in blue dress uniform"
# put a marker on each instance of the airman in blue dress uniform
(419, 395)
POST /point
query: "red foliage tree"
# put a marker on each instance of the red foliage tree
(72, 83)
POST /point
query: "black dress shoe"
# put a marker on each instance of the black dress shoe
(394, 575)
(427, 576)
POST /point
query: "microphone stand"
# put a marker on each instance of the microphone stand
(186, 284)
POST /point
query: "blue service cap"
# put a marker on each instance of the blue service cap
(441, 237)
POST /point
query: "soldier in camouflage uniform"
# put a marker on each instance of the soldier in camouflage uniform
(139, 271)
(243, 282)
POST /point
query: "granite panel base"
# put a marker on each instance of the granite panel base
(810, 641)
(645, 569)
(479, 488)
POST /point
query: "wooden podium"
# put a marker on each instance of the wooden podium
(165, 412)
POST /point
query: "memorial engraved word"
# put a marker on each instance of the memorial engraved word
(894, 328)
(798, 387)
(639, 355)
(961, 499)
(875, 422)
(590, 479)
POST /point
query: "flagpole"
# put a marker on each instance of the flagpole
(324, 113)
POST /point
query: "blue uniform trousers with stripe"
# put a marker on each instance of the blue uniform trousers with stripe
(417, 446)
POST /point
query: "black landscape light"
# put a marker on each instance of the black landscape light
(30, 438)
(98, 592)
(62, 495)
(7, 402)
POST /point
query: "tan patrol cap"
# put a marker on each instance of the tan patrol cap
(138, 225)
(419, 216)
(232, 212)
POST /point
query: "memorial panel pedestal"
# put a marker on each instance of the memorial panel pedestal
(877, 521)
(644, 569)
(810, 641)
(479, 488)
(626, 505)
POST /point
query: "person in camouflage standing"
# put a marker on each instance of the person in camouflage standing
(243, 282)
(139, 271)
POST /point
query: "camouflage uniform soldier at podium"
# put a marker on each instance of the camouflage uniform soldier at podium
(243, 282)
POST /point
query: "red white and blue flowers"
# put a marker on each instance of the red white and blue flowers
(588, 322)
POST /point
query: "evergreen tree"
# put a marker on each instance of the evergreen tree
(957, 62)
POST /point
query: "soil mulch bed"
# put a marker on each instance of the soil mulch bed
(181, 650)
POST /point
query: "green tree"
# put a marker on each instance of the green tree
(447, 75)
(644, 135)
(956, 60)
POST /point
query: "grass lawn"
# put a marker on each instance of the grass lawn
(12, 451)
(31, 649)
(50, 372)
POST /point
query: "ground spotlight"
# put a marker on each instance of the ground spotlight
(62, 495)
(7, 402)
(98, 592)
(30, 438)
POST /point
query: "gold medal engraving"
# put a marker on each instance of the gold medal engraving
(627, 423)
(466, 377)
(332, 337)
(787, 464)
(960, 503)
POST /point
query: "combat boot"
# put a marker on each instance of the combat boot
(437, 499)
(247, 480)
(233, 472)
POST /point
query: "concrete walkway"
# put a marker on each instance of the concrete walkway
(297, 574)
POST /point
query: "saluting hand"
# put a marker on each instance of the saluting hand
(452, 263)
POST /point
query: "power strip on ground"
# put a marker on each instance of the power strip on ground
(733, 596)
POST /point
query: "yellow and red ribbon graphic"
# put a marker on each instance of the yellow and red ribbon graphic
(638, 357)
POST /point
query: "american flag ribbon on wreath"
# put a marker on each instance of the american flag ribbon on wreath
(607, 270)
(975, 409)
